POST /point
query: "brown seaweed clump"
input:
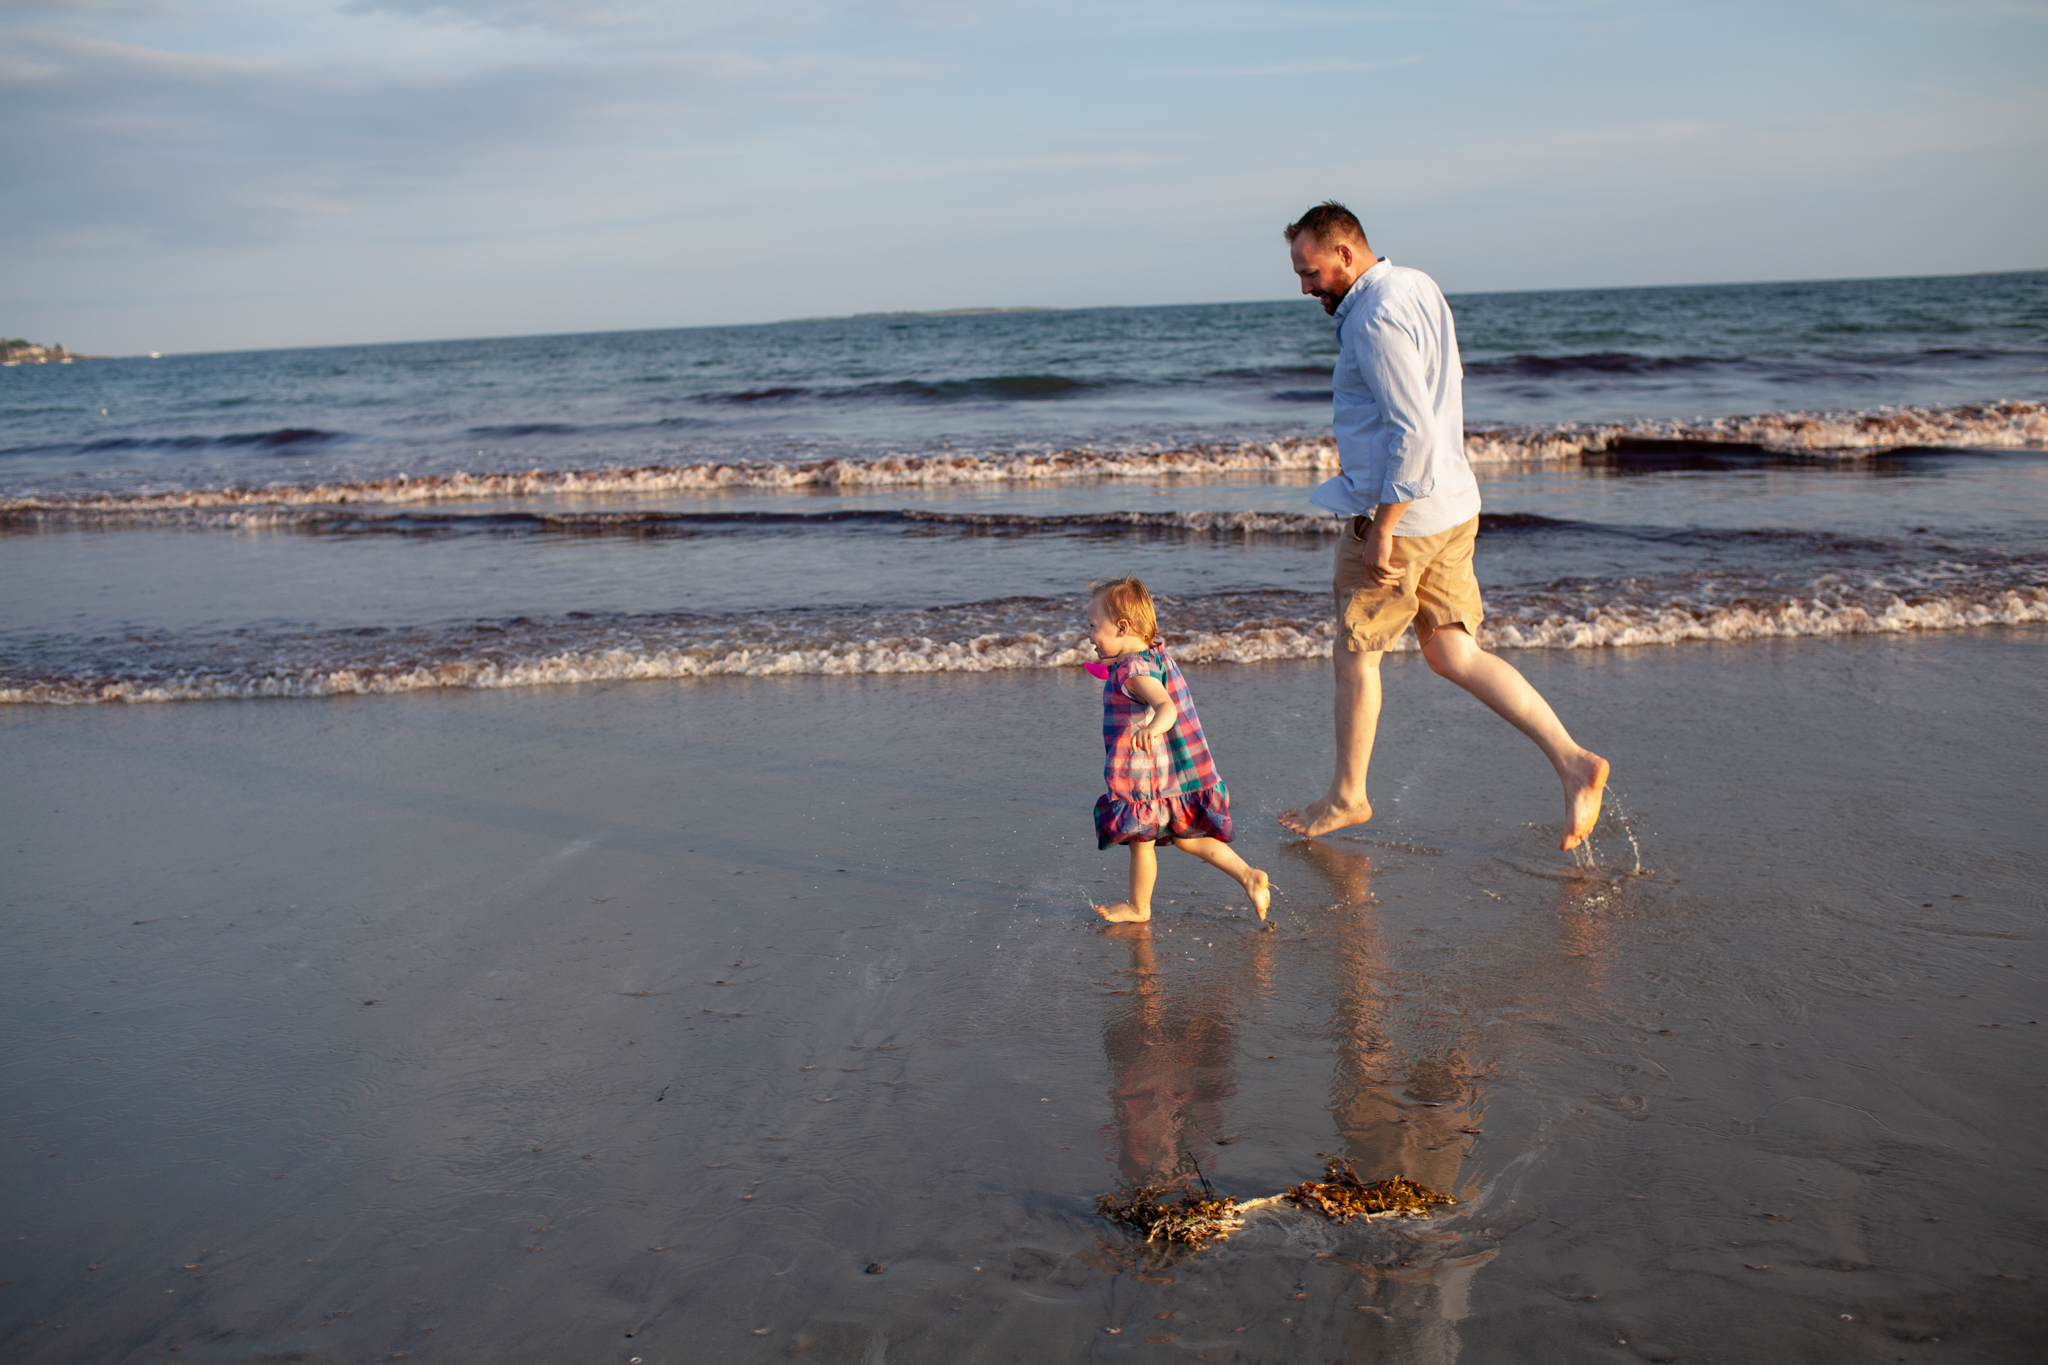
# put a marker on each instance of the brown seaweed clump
(1343, 1196)
(1193, 1219)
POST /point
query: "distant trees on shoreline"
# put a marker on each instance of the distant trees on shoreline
(15, 351)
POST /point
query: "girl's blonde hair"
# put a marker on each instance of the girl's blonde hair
(1125, 599)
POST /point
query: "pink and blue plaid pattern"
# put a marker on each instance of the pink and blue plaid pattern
(1173, 790)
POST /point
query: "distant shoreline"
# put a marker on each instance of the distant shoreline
(15, 351)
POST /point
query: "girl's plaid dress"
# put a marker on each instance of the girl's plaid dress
(1173, 791)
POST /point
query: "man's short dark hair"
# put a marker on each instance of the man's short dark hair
(1328, 222)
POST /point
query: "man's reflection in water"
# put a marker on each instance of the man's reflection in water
(1586, 909)
(1402, 1110)
(1395, 1114)
(1172, 1050)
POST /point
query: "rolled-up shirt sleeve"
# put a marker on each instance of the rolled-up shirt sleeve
(1393, 369)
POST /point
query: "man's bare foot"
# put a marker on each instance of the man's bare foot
(1324, 816)
(1260, 888)
(1123, 912)
(1582, 791)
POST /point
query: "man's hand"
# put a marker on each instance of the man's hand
(1379, 544)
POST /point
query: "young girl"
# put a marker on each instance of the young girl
(1163, 786)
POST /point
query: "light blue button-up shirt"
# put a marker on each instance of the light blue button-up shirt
(1399, 404)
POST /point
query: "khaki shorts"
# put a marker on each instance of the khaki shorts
(1437, 588)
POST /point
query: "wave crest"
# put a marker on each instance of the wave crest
(1982, 425)
(892, 471)
(1995, 425)
(1279, 626)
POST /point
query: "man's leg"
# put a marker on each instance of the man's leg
(1454, 654)
(1358, 721)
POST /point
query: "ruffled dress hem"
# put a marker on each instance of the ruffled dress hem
(1203, 814)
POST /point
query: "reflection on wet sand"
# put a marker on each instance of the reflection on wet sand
(1395, 1114)
(1172, 1050)
(1409, 1101)
(1414, 1034)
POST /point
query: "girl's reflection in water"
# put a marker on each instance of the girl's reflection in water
(1172, 1047)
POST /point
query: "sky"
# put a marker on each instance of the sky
(200, 175)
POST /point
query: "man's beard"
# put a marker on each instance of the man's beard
(1329, 302)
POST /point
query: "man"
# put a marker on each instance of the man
(1414, 507)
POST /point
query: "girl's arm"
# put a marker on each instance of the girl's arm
(1145, 688)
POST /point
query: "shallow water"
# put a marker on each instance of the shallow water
(317, 600)
(917, 494)
(643, 1059)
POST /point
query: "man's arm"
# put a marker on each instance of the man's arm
(1395, 371)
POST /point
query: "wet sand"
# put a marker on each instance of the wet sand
(641, 1020)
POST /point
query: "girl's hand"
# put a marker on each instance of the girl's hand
(1142, 735)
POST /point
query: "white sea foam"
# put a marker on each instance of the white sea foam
(894, 471)
(1673, 625)
(328, 518)
(1254, 640)
(1203, 523)
(1997, 425)
(1974, 425)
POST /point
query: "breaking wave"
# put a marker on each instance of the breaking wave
(323, 519)
(1796, 434)
(1019, 633)
(1838, 434)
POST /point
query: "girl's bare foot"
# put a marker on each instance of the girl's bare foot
(1123, 912)
(1260, 888)
(1582, 792)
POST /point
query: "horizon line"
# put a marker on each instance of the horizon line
(984, 311)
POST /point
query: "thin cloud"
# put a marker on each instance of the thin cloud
(1286, 69)
(630, 20)
(145, 144)
(1951, 11)
(149, 9)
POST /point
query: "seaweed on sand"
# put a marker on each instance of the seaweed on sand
(1343, 1196)
(1193, 1219)
(1196, 1219)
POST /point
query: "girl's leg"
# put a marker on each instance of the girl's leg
(1144, 872)
(1224, 859)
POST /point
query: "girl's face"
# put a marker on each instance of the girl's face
(1112, 639)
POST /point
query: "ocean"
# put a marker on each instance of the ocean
(934, 493)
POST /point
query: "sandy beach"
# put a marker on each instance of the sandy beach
(763, 1019)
